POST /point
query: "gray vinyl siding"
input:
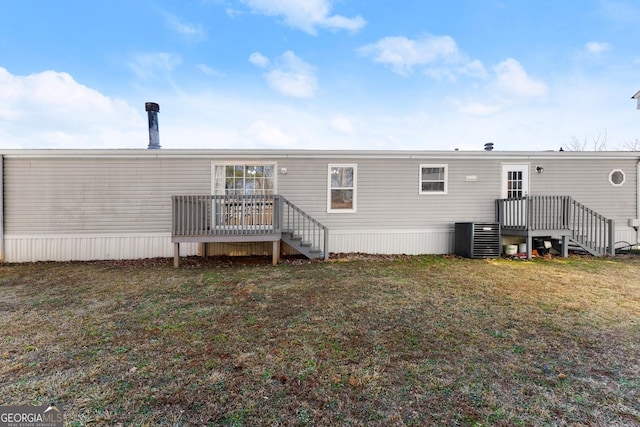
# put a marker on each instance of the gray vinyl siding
(587, 181)
(119, 195)
(388, 193)
(92, 197)
(97, 195)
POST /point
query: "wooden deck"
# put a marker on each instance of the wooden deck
(556, 216)
(246, 218)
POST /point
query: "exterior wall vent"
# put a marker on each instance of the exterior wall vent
(616, 177)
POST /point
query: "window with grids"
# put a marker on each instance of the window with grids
(342, 188)
(515, 185)
(433, 179)
(245, 179)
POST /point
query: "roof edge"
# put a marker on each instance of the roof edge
(302, 153)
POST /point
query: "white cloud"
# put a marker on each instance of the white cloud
(292, 76)
(151, 65)
(342, 124)
(479, 109)
(512, 79)
(52, 110)
(256, 58)
(306, 15)
(233, 13)
(597, 47)
(473, 68)
(509, 83)
(262, 133)
(205, 69)
(438, 54)
(190, 31)
(341, 22)
(620, 13)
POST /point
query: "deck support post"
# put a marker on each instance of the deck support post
(326, 244)
(612, 237)
(202, 249)
(176, 255)
(529, 244)
(276, 252)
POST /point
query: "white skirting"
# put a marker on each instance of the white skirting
(410, 242)
(626, 236)
(91, 247)
(136, 246)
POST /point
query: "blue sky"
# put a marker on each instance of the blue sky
(342, 74)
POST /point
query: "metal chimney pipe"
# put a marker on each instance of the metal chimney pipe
(637, 96)
(152, 112)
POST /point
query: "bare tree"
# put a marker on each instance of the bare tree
(597, 143)
(632, 145)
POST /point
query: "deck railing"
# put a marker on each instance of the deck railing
(207, 215)
(534, 213)
(558, 213)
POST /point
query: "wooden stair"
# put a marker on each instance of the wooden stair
(306, 248)
(303, 232)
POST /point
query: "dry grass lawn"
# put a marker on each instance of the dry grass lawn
(380, 341)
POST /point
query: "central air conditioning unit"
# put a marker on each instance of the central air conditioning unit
(477, 239)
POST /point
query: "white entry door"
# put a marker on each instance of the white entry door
(515, 181)
(515, 184)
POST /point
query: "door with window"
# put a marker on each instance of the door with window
(515, 186)
(515, 181)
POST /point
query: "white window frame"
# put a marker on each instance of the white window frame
(354, 188)
(446, 179)
(221, 191)
(515, 167)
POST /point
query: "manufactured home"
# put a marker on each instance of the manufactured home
(126, 204)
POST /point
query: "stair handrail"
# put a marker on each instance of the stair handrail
(591, 229)
(296, 221)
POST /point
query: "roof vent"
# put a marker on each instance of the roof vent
(152, 112)
(488, 146)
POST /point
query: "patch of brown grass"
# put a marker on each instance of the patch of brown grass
(365, 341)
